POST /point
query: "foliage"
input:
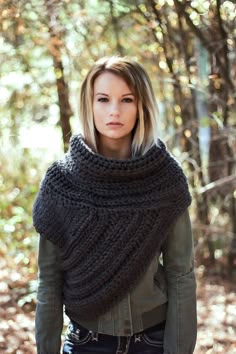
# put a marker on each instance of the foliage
(187, 47)
(19, 181)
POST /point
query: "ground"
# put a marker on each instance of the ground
(216, 313)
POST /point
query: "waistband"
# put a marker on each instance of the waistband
(151, 320)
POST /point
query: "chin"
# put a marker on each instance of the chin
(117, 136)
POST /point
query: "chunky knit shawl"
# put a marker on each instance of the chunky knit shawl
(109, 219)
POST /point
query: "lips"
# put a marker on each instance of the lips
(114, 124)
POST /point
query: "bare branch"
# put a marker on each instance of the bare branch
(180, 7)
(229, 180)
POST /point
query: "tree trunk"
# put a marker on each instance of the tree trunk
(115, 25)
(55, 46)
(232, 250)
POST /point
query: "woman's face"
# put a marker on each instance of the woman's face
(114, 108)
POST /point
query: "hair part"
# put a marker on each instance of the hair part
(145, 133)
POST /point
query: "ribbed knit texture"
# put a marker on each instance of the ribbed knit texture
(109, 218)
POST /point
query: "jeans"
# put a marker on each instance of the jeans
(80, 340)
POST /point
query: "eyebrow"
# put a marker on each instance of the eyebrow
(104, 94)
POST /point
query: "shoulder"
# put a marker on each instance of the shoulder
(50, 177)
(57, 173)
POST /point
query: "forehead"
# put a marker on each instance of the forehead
(111, 82)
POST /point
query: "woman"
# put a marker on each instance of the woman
(116, 246)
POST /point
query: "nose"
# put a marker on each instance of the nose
(114, 109)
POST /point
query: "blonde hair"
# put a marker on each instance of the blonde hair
(145, 131)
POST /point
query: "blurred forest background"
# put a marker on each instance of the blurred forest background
(189, 50)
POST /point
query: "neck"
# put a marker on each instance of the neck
(119, 149)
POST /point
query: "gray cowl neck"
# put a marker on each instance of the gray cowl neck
(109, 219)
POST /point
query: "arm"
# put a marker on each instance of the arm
(49, 310)
(178, 261)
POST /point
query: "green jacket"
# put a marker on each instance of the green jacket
(167, 292)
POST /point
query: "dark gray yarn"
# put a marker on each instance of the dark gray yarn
(109, 218)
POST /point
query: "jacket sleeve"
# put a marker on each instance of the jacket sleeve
(178, 262)
(49, 309)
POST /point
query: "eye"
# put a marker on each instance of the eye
(102, 99)
(127, 100)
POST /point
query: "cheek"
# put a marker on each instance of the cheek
(98, 116)
(132, 120)
(96, 112)
(94, 108)
(98, 109)
(96, 119)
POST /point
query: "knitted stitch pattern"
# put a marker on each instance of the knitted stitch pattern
(109, 218)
